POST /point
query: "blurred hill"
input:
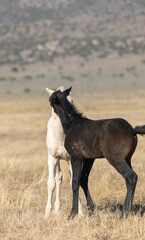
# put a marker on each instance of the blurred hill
(32, 30)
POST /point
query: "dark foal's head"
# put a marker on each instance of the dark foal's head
(64, 108)
(60, 100)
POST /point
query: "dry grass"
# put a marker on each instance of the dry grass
(23, 171)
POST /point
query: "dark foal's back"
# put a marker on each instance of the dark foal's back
(100, 138)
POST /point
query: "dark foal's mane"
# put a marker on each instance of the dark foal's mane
(86, 139)
(74, 112)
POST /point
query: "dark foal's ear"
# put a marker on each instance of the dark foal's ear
(67, 91)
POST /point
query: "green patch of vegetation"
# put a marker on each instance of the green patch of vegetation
(143, 61)
(85, 75)
(82, 65)
(114, 75)
(15, 69)
(121, 75)
(130, 69)
(8, 92)
(68, 78)
(2, 79)
(12, 79)
(40, 76)
(27, 90)
(135, 74)
(103, 55)
(28, 77)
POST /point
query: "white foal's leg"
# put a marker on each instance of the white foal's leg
(80, 209)
(58, 179)
(52, 162)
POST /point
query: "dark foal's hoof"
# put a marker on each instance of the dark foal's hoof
(91, 213)
(91, 210)
(72, 215)
(124, 215)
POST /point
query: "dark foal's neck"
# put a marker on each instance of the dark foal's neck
(68, 114)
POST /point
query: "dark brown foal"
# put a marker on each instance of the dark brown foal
(113, 139)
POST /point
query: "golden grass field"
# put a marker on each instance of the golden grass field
(23, 175)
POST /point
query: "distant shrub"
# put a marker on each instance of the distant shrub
(121, 51)
(12, 79)
(82, 65)
(2, 79)
(8, 92)
(135, 74)
(27, 90)
(68, 78)
(142, 12)
(103, 55)
(129, 69)
(84, 51)
(28, 77)
(15, 69)
(114, 75)
(121, 74)
(40, 76)
(85, 75)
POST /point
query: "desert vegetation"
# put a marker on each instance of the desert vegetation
(31, 32)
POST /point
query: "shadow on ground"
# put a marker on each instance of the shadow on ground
(113, 207)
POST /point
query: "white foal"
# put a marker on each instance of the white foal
(56, 151)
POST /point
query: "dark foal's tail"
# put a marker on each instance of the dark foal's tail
(140, 130)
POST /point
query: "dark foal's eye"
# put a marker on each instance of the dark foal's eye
(55, 100)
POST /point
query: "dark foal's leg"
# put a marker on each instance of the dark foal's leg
(77, 170)
(88, 163)
(131, 179)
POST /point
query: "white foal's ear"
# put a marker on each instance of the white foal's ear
(69, 98)
(49, 91)
(61, 88)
